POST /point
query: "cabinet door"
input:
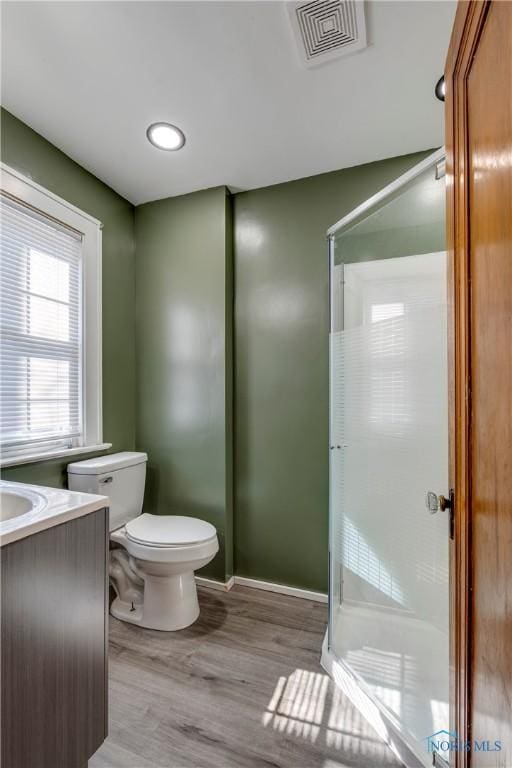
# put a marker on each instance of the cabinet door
(53, 632)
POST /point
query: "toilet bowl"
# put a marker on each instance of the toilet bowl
(163, 551)
(154, 557)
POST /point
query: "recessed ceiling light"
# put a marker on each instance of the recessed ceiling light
(165, 136)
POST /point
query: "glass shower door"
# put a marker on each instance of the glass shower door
(389, 446)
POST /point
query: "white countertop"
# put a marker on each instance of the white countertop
(51, 506)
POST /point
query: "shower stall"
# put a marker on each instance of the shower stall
(387, 640)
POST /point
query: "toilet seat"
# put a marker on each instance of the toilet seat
(167, 553)
(169, 531)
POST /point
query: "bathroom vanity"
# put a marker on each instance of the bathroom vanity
(54, 547)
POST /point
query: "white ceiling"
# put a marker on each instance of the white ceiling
(91, 76)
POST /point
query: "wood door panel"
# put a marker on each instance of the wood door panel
(479, 205)
(489, 89)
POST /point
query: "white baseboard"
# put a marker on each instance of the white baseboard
(267, 586)
(223, 586)
(282, 589)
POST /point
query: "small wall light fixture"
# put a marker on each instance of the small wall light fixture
(165, 136)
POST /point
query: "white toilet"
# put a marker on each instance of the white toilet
(152, 571)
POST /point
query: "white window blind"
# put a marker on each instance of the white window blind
(40, 332)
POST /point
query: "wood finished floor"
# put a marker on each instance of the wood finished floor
(241, 688)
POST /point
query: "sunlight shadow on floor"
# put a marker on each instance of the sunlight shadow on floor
(305, 705)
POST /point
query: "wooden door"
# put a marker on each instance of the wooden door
(479, 182)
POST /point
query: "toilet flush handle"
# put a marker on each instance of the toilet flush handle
(106, 479)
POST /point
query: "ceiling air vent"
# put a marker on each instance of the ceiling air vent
(327, 29)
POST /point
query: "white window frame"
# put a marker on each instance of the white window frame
(34, 195)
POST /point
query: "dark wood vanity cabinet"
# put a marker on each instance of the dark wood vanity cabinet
(54, 645)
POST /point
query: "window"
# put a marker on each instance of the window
(50, 325)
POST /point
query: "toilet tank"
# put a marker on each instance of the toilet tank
(120, 476)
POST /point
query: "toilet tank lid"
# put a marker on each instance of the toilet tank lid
(109, 463)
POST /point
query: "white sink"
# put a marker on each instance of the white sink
(27, 509)
(14, 503)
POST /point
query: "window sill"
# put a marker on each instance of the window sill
(65, 453)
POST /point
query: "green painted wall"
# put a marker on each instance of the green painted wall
(184, 359)
(281, 369)
(180, 318)
(29, 153)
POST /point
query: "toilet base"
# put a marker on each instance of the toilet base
(169, 603)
